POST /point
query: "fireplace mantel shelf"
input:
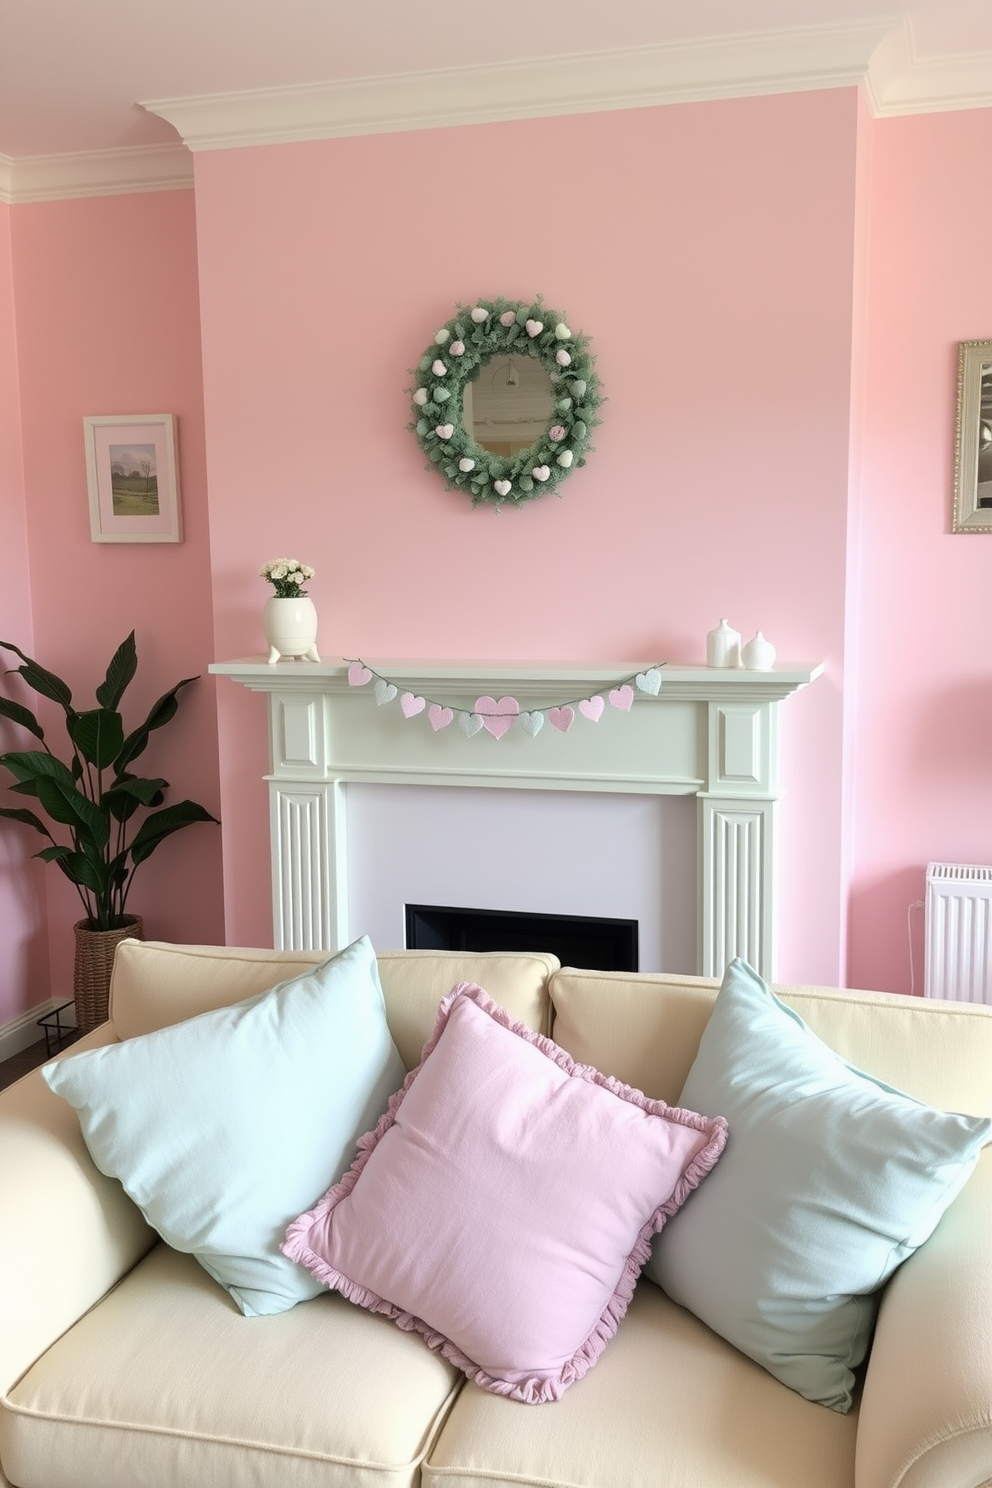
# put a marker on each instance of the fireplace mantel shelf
(527, 679)
(709, 732)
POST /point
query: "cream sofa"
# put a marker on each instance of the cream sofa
(123, 1365)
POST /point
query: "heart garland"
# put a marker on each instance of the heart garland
(497, 716)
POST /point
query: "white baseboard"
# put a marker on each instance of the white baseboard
(23, 1031)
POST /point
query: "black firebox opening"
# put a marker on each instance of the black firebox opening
(590, 941)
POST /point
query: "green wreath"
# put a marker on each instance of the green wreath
(460, 349)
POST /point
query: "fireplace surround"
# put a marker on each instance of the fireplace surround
(709, 732)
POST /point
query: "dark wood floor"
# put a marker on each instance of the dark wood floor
(20, 1064)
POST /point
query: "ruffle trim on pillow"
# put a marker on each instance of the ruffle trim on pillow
(535, 1389)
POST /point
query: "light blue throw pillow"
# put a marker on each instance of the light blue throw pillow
(828, 1181)
(224, 1127)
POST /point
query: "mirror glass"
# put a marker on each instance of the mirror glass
(507, 406)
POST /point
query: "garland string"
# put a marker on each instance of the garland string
(497, 716)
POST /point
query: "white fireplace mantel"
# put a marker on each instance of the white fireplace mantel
(710, 733)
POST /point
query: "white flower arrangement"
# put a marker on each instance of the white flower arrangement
(287, 576)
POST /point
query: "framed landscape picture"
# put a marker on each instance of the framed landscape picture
(973, 439)
(132, 473)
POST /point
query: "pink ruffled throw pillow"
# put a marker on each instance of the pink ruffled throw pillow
(505, 1203)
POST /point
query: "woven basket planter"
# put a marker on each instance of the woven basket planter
(94, 963)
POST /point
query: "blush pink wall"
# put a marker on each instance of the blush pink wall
(924, 699)
(775, 289)
(107, 322)
(707, 249)
(24, 981)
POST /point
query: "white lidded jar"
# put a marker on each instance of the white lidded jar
(723, 646)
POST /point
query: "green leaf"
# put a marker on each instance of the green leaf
(64, 803)
(13, 813)
(53, 854)
(125, 796)
(162, 824)
(31, 765)
(17, 713)
(98, 734)
(80, 870)
(123, 665)
(39, 679)
(160, 713)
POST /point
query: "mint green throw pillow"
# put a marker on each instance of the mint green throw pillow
(828, 1181)
(223, 1127)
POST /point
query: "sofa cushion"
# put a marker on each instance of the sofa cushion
(165, 1383)
(222, 1127)
(669, 1403)
(504, 1205)
(156, 984)
(831, 1178)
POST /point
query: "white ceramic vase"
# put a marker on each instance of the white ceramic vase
(723, 646)
(758, 655)
(290, 627)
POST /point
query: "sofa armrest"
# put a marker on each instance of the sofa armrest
(926, 1414)
(67, 1233)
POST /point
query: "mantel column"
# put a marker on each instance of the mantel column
(737, 830)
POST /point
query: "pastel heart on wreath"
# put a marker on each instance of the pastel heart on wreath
(507, 318)
(420, 397)
(649, 681)
(439, 717)
(465, 464)
(479, 314)
(358, 674)
(439, 368)
(535, 327)
(471, 724)
(497, 717)
(561, 718)
(384, 691)
(444, 431)
(622, 697)
(592, 708)
(532, 723)
(503, 487)
(412, 705)
(541, 472)
(442, 335)
(457, 348)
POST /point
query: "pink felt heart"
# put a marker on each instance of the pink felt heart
(439, 717)
(412, 705)
(503, 487)
(358, 674)
(534, 328)
(444, 431)
(497, 717)
(622, 697)
(561, 718)
(592, 708)
(541, 472)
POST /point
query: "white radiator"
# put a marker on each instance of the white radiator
(959, 932)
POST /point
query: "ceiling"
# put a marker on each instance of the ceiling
(75, 74)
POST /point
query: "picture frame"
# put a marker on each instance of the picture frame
(132, 476)
(973, 439)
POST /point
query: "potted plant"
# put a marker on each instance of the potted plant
(107, 812)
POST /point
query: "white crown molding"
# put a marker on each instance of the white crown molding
(899, 81)
(728, 67)
(35, 178)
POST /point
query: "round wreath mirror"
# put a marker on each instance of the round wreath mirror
(505, 399)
